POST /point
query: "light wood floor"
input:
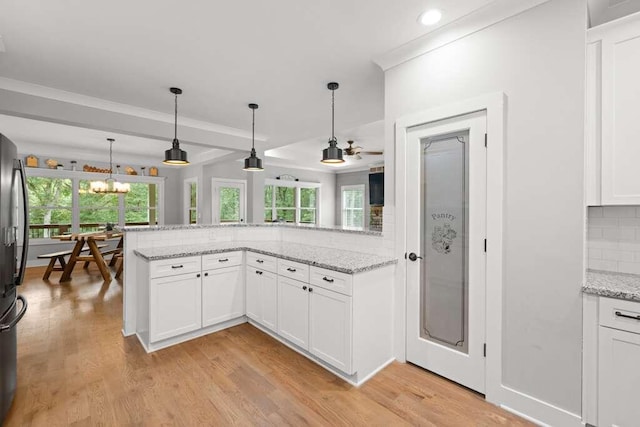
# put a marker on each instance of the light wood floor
(75, 368)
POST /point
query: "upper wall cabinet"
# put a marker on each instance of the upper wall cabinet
(613, 113)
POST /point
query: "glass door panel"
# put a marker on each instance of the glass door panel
(444, 281)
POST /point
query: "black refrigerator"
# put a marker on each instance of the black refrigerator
(14, 242)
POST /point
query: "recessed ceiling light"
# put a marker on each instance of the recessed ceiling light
(430, 17)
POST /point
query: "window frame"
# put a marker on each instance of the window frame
(187, 208)
(77, 176)
(297, 185)
(344, 210)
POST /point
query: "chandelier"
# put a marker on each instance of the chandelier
(109, 185)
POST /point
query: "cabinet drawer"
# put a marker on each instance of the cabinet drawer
(221, 260)
(332, 280)
(293, 270)
(620, 314)
(263, 262)
(174, 266)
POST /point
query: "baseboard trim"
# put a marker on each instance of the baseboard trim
(536, 410)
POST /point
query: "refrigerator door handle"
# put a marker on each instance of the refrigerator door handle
(25, 211)
(8, 326)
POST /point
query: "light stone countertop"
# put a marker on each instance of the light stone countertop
(348, 262)
(612, 285)
(336, 228)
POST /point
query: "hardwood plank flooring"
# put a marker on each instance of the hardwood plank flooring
(76, 368)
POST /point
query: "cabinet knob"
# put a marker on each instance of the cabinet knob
(198, 275)
(206, 274)
(304, 288)
(310, 289)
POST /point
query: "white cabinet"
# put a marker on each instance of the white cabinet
(619, 378)
(222, 294)
(174, 306)
(612, 125)
(330, 328)
(293, 311)
(262, 297)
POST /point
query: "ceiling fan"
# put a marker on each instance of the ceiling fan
(357, 150)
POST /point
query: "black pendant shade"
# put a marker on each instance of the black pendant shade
(253, 162)
(332, 154)
(174, 155)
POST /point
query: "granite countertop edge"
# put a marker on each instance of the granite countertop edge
(612, 285)
(179, 254)
(276, 225)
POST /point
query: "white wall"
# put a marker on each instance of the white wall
(538, 60)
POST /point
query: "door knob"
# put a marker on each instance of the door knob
(413, 256)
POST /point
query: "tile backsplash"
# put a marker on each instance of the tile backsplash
(613, 238)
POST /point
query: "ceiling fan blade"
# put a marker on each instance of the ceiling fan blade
(372, 153)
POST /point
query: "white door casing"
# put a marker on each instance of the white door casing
(461, 360)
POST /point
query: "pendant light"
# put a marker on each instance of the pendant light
(109, 185)
(253, 162)
(332, 154)
(175, 156)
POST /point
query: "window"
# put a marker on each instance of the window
(60, 202)
(50, 206)
(291, 201)
(353, 206)
(193, 203)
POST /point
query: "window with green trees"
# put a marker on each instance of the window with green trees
(50, 206)
(295, 202)
(65, 204)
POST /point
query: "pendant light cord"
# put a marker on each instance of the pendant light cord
(175, 122)
(333, 114)
(253, 130)
(110, 157)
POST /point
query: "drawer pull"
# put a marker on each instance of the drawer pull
(258, 272)
(293, 270)
(626, 316)
(260, 261)
(223, 260)
(327, 279)
(177, 266)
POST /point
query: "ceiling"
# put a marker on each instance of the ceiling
(279, 54)
(602, 11)
(307, 154)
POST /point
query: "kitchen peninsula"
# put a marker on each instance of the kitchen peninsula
(306, 287)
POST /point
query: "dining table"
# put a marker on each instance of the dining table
(90, 239)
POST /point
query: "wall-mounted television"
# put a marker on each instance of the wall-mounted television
(376, 189)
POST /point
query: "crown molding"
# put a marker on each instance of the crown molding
(115, 107)
(478, 20)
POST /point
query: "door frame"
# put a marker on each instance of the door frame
(214, 200)
(494, 105)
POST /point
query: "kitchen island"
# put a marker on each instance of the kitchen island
(331, 304)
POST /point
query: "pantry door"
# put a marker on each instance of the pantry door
(446, 231)
(228, 201)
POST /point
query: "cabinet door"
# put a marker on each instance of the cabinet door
(253, 284)
(619, 378)
(269, 300)
(175, 306)
(293, 311)
(620, 124)
(222, 295)
(330, 327)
